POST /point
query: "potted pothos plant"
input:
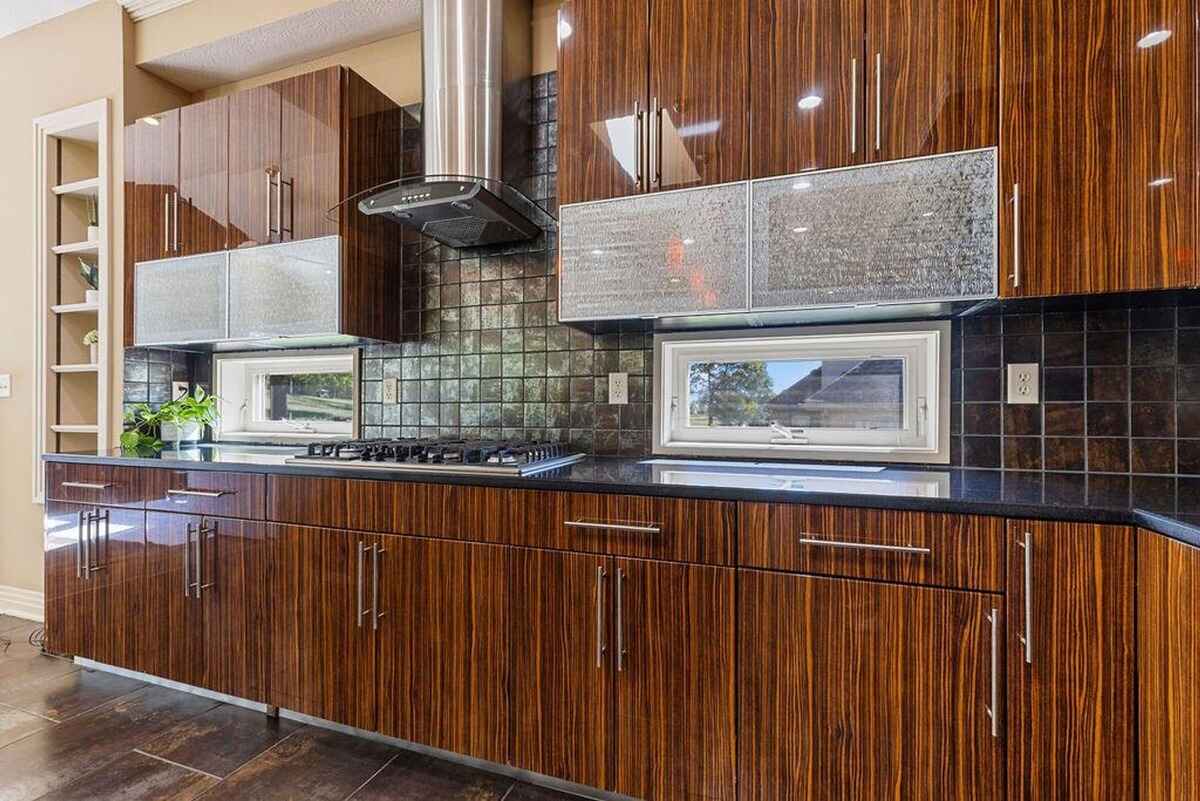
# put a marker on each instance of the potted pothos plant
(181, 420)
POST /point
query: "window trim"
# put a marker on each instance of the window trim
(257, 364)
(925, 346)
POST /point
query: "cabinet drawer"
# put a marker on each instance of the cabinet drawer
(637, 526)
(451, 511)
(307, 501)
(207, 492)
(106, 485)
(942, 550)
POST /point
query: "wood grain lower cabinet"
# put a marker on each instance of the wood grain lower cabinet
(852, 690)
(624, 674)
(93, 567)
(1070, 662)
(1168, 668)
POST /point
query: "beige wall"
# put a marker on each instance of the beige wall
(66, 61)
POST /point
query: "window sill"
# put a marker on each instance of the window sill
(276, 438)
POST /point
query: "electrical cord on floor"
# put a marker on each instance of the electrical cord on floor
(5, 643)
(37, 638)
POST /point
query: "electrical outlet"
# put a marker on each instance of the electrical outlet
(618, 388)
(1023, 383)
(6, 386)
(391, 390)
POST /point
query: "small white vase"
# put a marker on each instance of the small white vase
(93, 233)
(91, 296)
(94, 350)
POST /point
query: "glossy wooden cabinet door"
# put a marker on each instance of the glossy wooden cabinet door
(254, 155)
(933, 77)
(203, 176)
(674, 735)
(699, 84)
(311, 148)
(70, 600)
(444, 647)
(603, 53)
(562, 673)
(236, 607)
(1098, 133)
(807, 87)
(1168, 650)
(852, 690)
(1070, 662)
(172, 641)
(156, 186)
(322, 648)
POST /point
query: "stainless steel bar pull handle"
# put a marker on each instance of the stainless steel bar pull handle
(202, 533)
(620, 620)
(854, 105)
(187, 561)
(166, 223)
(87, 546)
(878, 102)
(637, 528)
(376, 552)
(79, 547)
(279, 202)
(866, 546)
(270, 185)
(655, 143)
(639, 142)
(601, 646)
(199, 493)
(85, 485)
(359, 586)
(100, 559)
(1016, 273)
(175, 225)
(1027, 636)
(993, 709)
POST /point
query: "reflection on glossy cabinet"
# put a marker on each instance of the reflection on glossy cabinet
(600, 153)
(807, 85)
(854, 690)
(933, 74)
(311, 150)
(254, 153)
(1070, 661)
(203, 177)
(1099, 140)
(154, 168)
(171, 645)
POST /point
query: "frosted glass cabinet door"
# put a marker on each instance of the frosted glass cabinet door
(668, 253)
(918, 230)
(290, 289)
(178, 301)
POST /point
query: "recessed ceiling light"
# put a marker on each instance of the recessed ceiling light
(1153, 38)
(810, 102)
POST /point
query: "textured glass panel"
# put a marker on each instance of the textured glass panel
(182, 300)
(915, 230)
(661, 254)
(289, 289)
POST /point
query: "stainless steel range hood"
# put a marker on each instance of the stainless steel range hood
(471, 49)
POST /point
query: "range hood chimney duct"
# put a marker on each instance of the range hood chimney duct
(471, 51)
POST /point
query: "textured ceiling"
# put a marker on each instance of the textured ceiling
(18, 14)
(294, 40)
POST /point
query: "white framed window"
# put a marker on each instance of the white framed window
(290, 396)
(856, 393)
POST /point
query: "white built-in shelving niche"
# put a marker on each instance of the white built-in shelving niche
(72, 392)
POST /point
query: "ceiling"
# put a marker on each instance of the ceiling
(293, 40)
(18, 14)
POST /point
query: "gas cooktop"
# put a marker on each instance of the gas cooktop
(497, 457)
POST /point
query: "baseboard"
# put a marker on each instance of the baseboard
(25, 604)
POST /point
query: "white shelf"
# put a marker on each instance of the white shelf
(88, 187)
(75, 368)
(75, 429)
(92, 248)
(75, 308)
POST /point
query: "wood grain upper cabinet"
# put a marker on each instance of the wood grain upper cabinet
(1070, 662)
(698, 126)
(1111, 83)
(807, 85)
(309, 180)
(254, 153)
(203, 213)
(853, 690)
(600, 153)
(154, 169)
(933, 73)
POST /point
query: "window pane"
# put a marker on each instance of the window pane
(310, 397)
(865, 394)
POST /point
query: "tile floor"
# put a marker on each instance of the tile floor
(68, 734)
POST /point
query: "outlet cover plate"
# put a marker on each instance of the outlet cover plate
(6, 385)
(618, 389)
(391, 390)
(1023, 383)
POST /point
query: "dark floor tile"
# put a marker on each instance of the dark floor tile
(8, 622)
(23, 665)
(69, 695)
(55, 757)
(416, 777)
(221, 740)
(530, 792)
(135, 776)
(15, 724)
(313, 764)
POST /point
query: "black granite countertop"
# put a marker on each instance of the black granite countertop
(1165, 504)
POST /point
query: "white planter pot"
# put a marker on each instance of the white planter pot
(187, 432)
(94, 350)
(93, 233)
